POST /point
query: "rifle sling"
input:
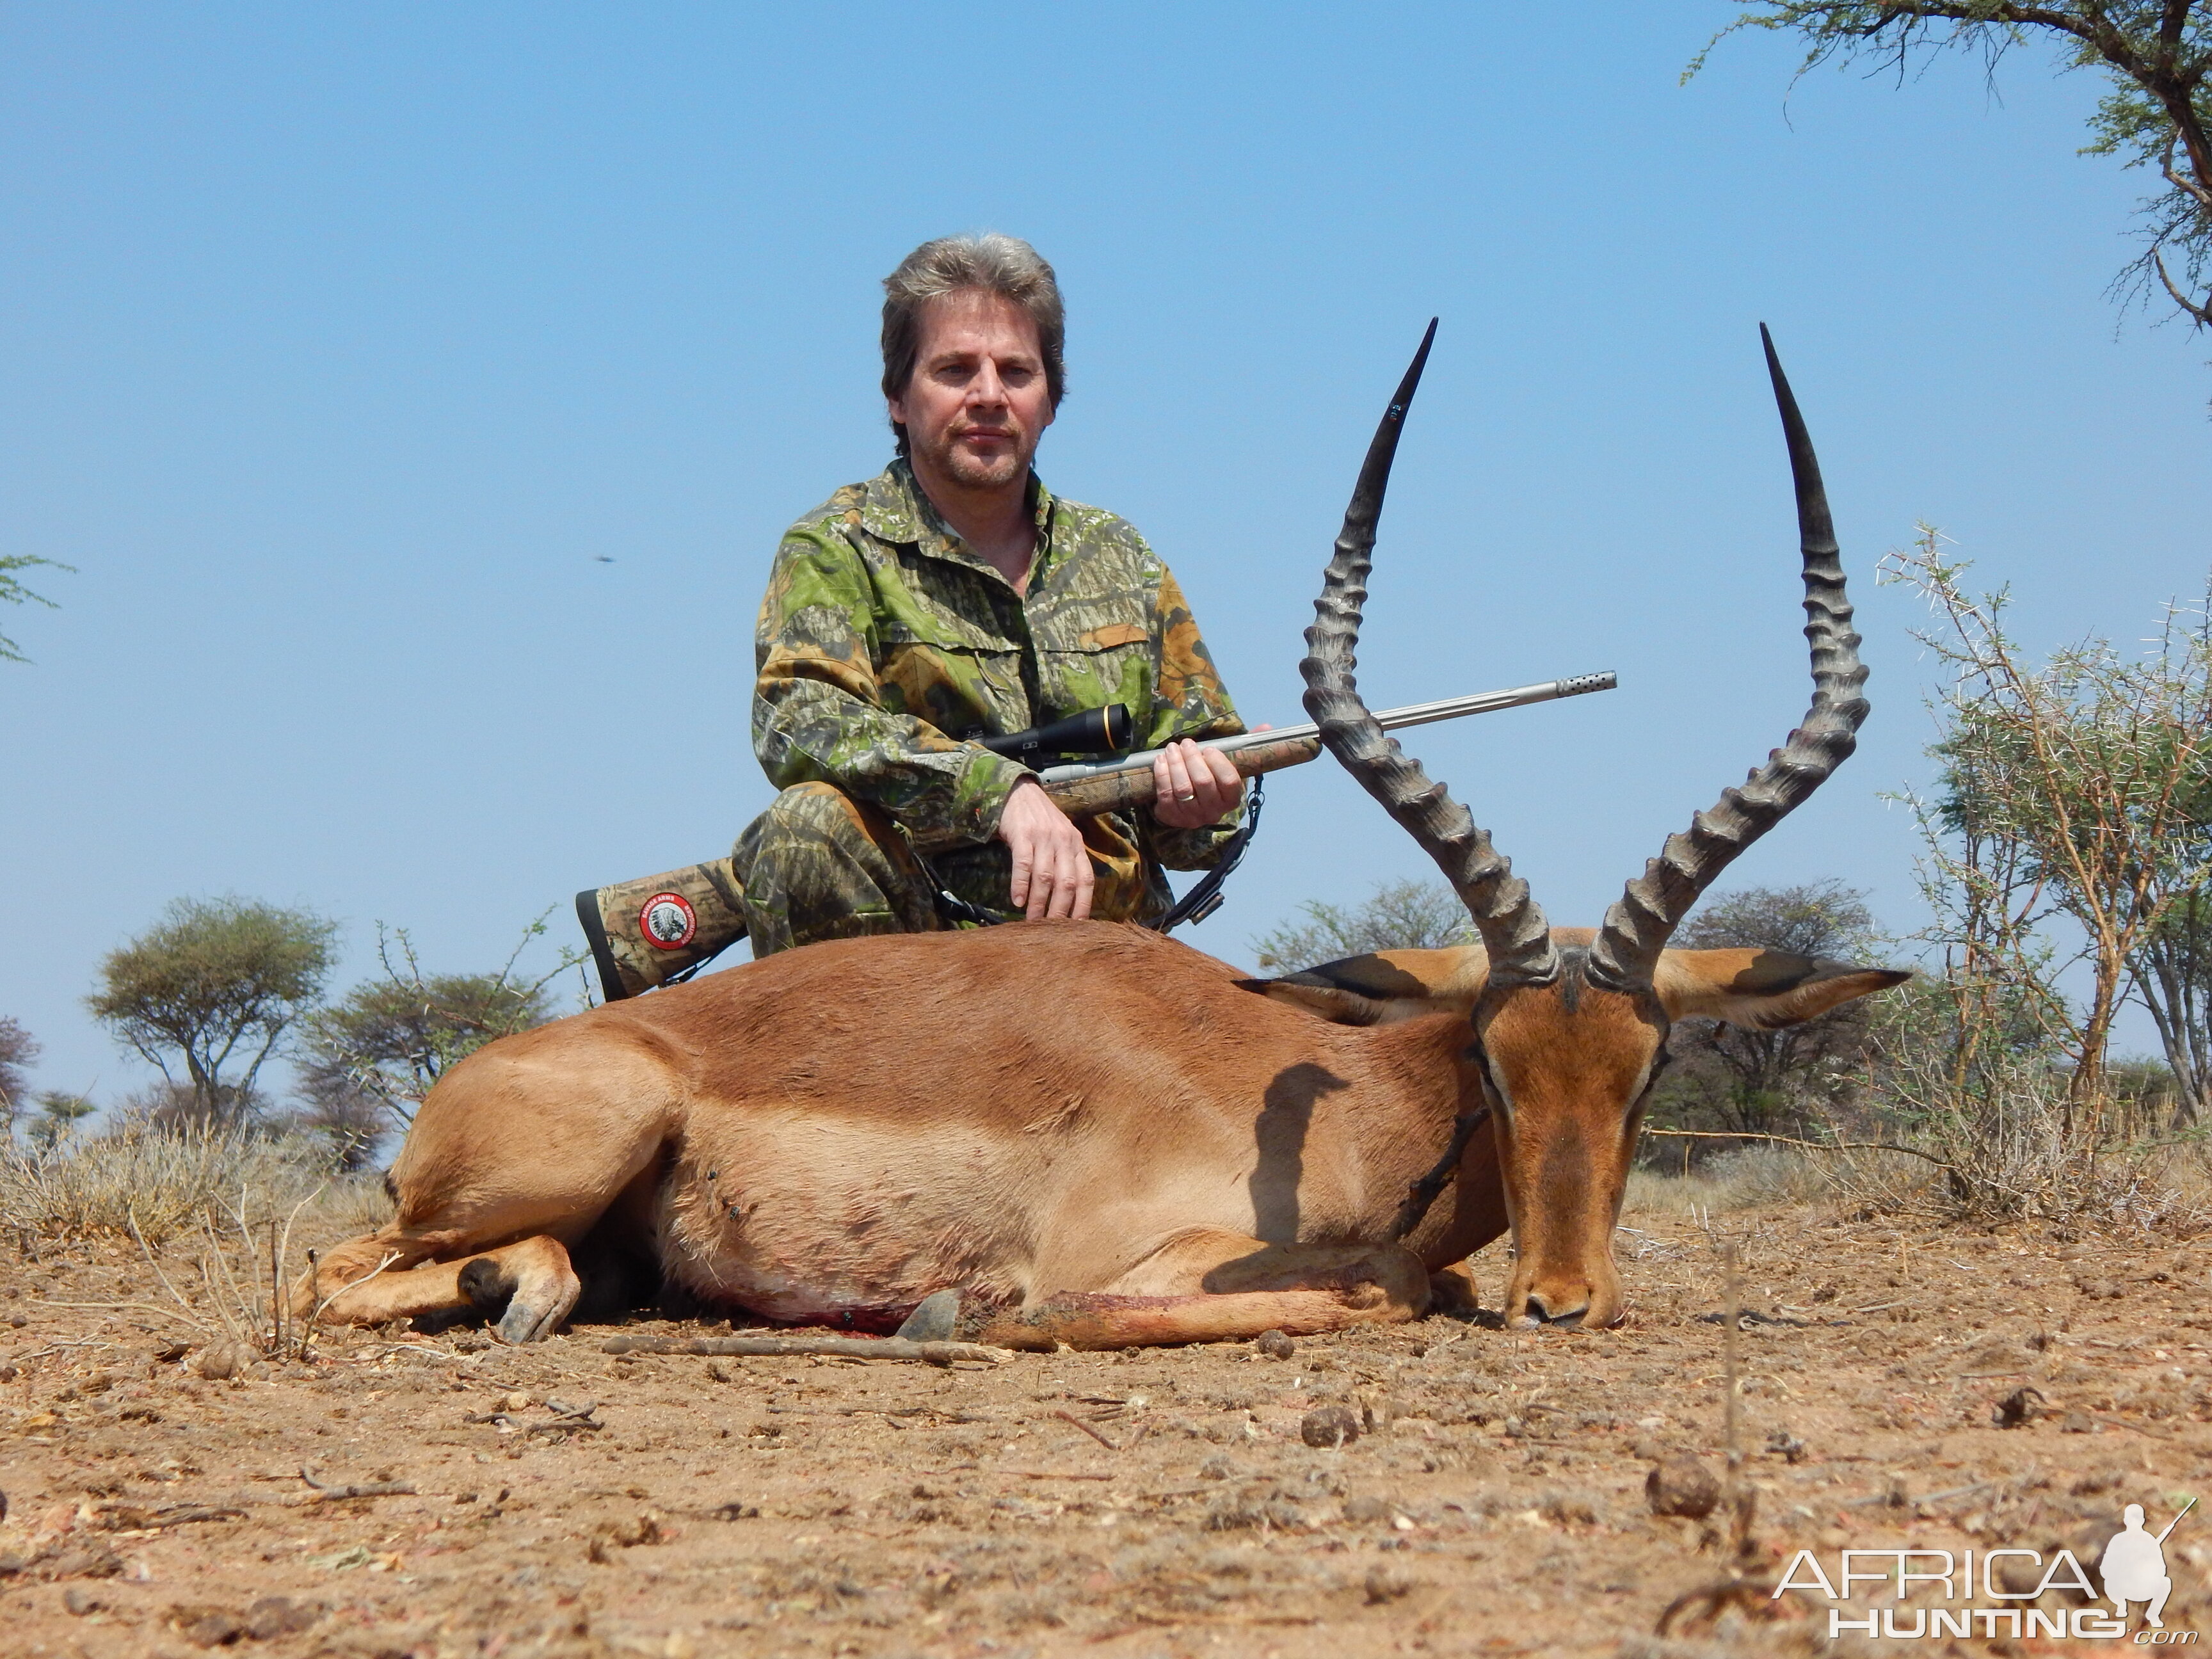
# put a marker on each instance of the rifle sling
(1204, 899)
(1422, 1194)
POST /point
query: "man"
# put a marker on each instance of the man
(948, 598)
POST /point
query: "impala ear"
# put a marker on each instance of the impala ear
(1317, 997)
(1384, 986)
(1764, 990)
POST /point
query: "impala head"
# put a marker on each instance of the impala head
(1569, 1029)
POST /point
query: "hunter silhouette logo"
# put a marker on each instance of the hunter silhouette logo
(2011, 1582)
(2133, 1565)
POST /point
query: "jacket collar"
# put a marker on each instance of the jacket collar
(893, 509)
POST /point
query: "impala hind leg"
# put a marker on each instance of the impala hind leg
(532, 1279)
(517, 1157)
(1210, 1287)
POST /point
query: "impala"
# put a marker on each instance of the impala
(1099, 1136)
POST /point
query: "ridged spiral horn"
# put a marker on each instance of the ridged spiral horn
(1637, 927)
(1513, 932)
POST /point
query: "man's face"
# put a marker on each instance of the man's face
(977, 403)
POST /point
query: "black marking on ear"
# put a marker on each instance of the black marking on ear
(1318, 997)
(1773, 972)
(1368, 976)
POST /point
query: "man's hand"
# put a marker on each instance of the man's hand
(1052, 871)
(1194, 786)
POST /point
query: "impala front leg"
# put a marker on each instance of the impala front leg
(1207, 1285)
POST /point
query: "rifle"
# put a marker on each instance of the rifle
(1085, 790)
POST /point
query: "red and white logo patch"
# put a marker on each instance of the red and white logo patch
(668, 921)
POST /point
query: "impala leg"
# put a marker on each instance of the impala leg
(516, 1155)
(531, 1279)
(1210, 1287)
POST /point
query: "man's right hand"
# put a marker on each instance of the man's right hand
(1051, 870)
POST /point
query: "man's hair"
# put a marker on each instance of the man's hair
(995, 264)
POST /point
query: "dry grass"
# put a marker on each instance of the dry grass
(2028, 1171)
(222, 1221)
(1739, 1180)
(165, 1183)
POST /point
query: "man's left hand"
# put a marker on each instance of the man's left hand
(1194, 786)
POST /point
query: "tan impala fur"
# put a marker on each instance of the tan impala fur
(1154, 1130)
(1100, 1136)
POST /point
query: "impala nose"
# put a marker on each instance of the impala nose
(1571, 1310)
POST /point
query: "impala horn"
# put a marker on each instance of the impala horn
(1639, 926)
(1514, 935)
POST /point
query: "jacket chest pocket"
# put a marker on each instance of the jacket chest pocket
(1111, 663)
(956, 688)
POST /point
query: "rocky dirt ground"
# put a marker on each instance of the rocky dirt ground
(559, 1500)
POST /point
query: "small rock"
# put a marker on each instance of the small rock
(1385, 1585)
(517, 1401)
(1329, 1425)
(92, 1560)
(2077, 1423)
(2016, 1408)
(1570, 1507)
(206, 1626)
(718, 1371)
(1220, 1469)
(77, 1602)
(168, 1353)
(648, 1528)
(1253, 1511)
(1275, 1345)
(1682, 1486)
(3, 1506)
(1369, 1508)
(280, 1615)
(1377, 1414)
(217, 1362)
(1787, 1446)
(10, 1566)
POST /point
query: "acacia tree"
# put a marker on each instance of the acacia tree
(59, 1113)
(1399, 915)
(2157, 55)
(217, 982)
(1758, 1082)
(372, 1057)
(18, 1048)
(12, 591)
(2174, 980)
(2073, 788)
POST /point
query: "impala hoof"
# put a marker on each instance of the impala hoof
(934, 1321)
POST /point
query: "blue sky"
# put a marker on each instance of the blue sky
(345, 341)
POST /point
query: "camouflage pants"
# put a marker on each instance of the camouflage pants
(819, 865)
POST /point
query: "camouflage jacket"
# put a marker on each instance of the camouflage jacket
(884, 642)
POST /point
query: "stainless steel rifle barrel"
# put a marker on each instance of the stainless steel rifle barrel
(1390, 720)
